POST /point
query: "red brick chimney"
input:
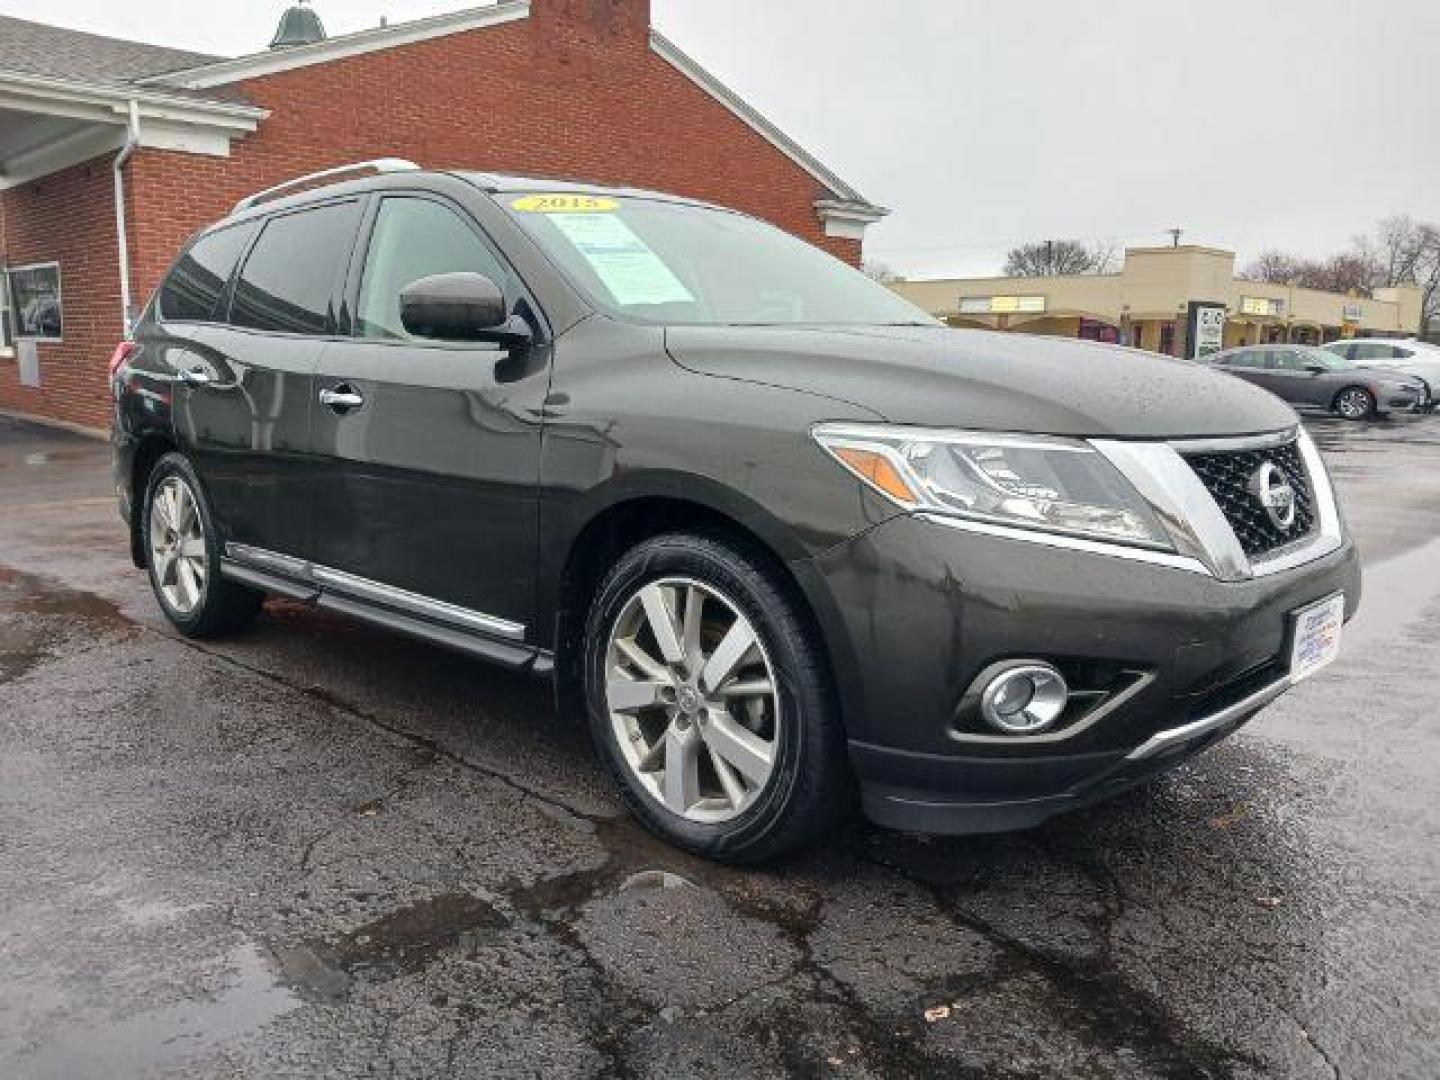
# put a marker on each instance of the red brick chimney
(596, 20)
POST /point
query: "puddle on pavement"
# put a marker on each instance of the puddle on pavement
(23, 644)
(32, 595)
(142, 1043)
(403, 941)
(655, 880)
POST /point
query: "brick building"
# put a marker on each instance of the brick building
(582, 89)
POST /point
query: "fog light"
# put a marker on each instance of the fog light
(1024, 700)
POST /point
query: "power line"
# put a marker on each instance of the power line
(1001, 245)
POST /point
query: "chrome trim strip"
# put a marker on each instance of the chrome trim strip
(305, 592)
(375, 592)
(1180, 499)
(1267, 441)
(1165, 740)
(268, 560)
(887, 435)
(1099, 712)
(1071, 543)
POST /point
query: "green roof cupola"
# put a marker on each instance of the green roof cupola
(298, 26)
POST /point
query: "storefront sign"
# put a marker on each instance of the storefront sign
(1002, 305)
(1262, 305)
(1206, 333)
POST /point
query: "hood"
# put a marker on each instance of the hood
(988, 381)
(1402, 373)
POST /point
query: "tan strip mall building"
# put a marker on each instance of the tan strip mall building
(1147, 304)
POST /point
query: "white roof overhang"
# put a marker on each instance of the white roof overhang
(47, 124)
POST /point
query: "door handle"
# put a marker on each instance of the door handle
(342, 398)
(196, 377)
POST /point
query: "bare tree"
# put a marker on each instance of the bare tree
(1275, 267)
(1350, 271)
(1052, 258)
(1404, 251)
(1107, 258)
(881, 272)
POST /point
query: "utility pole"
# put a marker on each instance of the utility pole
(1175, 235)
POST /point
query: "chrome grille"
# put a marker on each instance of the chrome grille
(1227, 476)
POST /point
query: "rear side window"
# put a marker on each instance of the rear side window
(1375, 352)
(289, 281)
(195, 286)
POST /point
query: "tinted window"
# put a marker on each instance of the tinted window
(414, 238)
(1250, 359)
(289, 280)
(1374, 352)
(1347, 351)
(193, 290)
(1289, 360)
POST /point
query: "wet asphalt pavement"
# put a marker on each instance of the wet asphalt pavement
(320, 850)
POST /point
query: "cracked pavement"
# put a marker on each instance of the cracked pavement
(316, 849)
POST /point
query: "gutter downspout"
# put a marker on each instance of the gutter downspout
(132, 140)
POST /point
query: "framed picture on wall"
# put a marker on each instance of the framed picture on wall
(35, 301)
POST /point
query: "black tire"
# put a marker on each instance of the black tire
(223, 607)
(810, 789)
(1363, 407)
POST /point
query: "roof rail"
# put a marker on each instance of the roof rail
(379, 165)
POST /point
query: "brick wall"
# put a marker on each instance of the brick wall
(68, 217)
(574, 91)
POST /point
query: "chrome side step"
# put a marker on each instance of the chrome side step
(497, 640)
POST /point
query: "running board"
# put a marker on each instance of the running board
(489, 638)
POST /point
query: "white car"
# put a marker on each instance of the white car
(1417, 358)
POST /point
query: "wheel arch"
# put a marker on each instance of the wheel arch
(147, 452)
(620, 525)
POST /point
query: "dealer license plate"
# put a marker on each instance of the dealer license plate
(1317, 637)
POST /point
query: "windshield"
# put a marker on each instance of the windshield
(673, 263)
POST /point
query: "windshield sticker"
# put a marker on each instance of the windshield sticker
(623, 262)
(565, 204)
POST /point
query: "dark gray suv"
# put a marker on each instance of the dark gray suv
(781, 537)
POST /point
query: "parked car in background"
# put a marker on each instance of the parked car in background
(1416, 358)
(1313, 378)
(777, 532)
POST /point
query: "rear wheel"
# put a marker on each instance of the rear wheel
(1355, 403)
(182, 554)
(709, 701)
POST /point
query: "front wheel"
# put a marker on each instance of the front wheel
(1355, 403)
(709, 700)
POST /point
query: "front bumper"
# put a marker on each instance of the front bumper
(916, 610)
(1402, 399)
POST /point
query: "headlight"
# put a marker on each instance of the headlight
(1024, 481)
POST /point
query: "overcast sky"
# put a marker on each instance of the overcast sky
(1250, 123)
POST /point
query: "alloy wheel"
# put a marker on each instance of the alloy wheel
(1353, 404)
(691, 695)
(177, 545)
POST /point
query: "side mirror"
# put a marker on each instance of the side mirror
(460, 307)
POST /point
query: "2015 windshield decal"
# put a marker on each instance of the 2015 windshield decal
(565, 204)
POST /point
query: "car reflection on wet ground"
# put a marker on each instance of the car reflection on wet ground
(320, 850)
